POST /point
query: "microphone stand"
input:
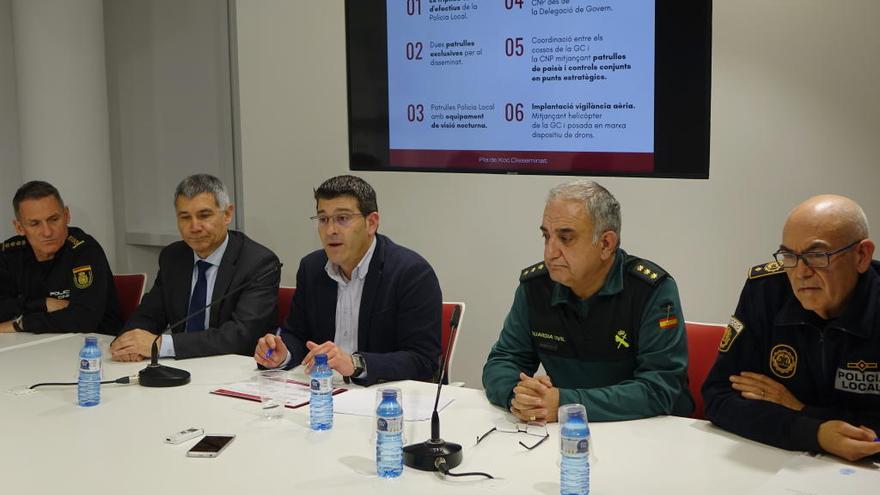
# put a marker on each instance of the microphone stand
(158, 375)
(436, 454)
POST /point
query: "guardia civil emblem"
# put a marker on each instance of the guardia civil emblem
(82, 277)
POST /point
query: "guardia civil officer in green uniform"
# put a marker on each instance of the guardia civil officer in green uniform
(798, 363)
(607, 326)
(53, 278)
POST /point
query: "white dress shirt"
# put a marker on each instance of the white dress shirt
(167, 349)
(348, 302)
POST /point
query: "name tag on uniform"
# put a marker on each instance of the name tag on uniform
(858, 381)
(547, 341)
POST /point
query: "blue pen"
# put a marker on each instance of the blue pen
(270, 351)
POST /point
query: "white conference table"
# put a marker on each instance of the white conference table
(10, 341)
(48, 443)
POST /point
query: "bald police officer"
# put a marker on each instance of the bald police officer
(798, 362)
(53, 278)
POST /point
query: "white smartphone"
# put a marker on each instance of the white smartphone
(210, 446)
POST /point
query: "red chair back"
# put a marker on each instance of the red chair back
(703, 340)
(129, 291)
(285, 297)
(448, 308)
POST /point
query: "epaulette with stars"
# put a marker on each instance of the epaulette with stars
(533, 271)
(762, 270)
(646, 271)
(14, 244)
(74, 242)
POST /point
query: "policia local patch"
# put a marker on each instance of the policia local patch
(859, 378)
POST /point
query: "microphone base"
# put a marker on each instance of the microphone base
(157, 375)
(422, 456)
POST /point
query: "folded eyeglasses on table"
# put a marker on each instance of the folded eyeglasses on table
(534, 429)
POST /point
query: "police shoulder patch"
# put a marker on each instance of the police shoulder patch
(765, 269)
(734, 327)
(646, 271)
(533, 271)
(82, 277)
(14, 244)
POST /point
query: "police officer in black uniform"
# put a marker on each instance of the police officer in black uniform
(53, 278)
(798, 362)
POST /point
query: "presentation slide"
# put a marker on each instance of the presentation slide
(537, 85)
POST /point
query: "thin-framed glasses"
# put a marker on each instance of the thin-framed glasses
(532, 428)
(340, 219)
(789, 259)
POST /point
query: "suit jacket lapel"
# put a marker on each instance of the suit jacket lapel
(180, 288)
(225, 272)
(368, 297)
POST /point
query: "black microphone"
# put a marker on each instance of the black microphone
(430, 455)
(158, 375)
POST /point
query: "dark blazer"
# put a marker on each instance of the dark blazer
(235, 323)
(400, 313)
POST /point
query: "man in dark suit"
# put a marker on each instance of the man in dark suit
(210, 262)
(372, 306)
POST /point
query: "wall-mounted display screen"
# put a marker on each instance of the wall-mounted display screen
(610, 87)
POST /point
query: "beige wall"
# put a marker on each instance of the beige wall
(10, 158)
(795, 112)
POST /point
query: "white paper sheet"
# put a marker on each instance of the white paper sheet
(362, 402)
(821, 475)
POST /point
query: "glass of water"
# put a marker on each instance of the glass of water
(273, 392)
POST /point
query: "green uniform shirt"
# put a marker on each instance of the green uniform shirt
(634, 365)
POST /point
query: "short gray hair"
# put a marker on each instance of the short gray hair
(600, 204)
(197, 184)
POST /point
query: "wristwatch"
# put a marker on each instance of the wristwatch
(360, 366)
(17, 323)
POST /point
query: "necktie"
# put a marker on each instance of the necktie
(198, 299)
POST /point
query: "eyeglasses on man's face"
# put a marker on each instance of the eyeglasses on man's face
(789, 259)
(533, 429)
(341, 219)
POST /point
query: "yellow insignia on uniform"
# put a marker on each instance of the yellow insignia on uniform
(783, 361)
(533, 271)
(765, 269)
(861, 365)
(646, 271)
(734, 327)
(82, 277)
(74, 242)
(620, 338)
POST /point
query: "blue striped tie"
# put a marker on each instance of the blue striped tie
(198, 300)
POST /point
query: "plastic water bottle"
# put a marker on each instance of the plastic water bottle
(575, 450)
(321, 402)
(88, 390)
(389, 435)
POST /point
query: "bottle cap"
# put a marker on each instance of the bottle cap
(91, 339)
(320, 359)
